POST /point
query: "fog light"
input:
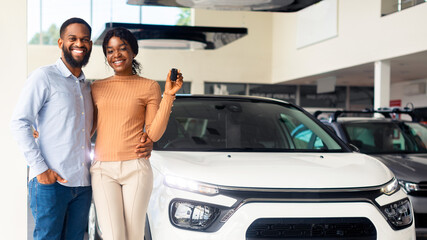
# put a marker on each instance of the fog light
(194, 216)
(399, 213)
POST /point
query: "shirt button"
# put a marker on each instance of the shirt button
(77, 81)
(83, 164)
(83, 130)
(83, 113)
(83, 147)
(81, 97)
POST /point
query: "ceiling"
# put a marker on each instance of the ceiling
(404, 68)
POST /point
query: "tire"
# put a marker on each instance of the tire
(147, 231)
(93, 228)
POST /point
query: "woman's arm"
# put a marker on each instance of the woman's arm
(157, 115)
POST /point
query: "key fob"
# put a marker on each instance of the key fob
(174, 74)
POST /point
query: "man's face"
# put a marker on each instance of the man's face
(76, 45)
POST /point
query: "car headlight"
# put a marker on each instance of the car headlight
(190, 185)
(390, 187)
(191, 215)
(399, 213)
(408, 186)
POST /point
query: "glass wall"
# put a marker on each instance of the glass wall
(392, 6)
(361, 98)
(46, 16)
(225, 88)
(356, 99)
(185, 89)
(282, 92)
(310, 98)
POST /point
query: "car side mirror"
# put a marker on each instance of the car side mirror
(354, 148)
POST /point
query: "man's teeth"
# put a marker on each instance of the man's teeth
(78, 51)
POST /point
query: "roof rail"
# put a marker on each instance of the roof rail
(386, 112)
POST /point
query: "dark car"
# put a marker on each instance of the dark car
(399, 144)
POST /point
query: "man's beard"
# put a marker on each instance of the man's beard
(73, 62)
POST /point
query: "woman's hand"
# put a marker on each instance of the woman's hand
(171, 88)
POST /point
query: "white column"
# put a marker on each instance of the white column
(382, 84)
(13, 74)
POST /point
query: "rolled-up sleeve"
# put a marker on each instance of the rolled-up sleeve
(31, 100)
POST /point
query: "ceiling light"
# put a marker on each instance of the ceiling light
(170, 44)
(246, 5)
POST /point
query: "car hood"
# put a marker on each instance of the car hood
(408, 167)
(274, 170)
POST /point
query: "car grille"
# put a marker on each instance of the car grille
(420, 220)
(422, 186)
(421, 191)
(311, 228)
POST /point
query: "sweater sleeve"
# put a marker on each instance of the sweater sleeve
(157, 114)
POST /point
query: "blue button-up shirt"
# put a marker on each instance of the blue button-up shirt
(59, 105)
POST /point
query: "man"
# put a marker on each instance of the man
(57, 101)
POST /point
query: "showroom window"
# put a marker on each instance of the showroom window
(226, 88)
(46, 16)
(392, 6)
(185, 89)
(361, 97)
(310, 98)
(282, 92)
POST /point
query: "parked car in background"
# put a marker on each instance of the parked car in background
(246, 168)
(399, 144)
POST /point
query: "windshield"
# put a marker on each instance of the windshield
(212, 124)
(387, 137)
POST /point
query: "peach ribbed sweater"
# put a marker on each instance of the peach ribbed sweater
(123, 106)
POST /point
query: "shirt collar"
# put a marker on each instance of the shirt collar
(65, 72)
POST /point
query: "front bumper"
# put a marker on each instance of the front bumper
(237, 225)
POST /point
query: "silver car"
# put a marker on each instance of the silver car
(399, 144)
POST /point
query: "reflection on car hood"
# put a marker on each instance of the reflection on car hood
(408, 167)
(274, 170)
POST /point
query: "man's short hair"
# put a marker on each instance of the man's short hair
(71, 21)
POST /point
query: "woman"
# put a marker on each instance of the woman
(125, 105)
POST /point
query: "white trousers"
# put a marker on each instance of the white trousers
(121, 191)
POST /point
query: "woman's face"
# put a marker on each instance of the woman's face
(120, 56)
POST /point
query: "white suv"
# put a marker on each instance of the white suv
(244, 168)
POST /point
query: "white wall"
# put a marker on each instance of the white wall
(413, 92)
(13, 203)
(363, 36)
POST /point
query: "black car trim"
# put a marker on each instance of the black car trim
(244, 196)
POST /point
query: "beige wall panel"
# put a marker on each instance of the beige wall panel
(13, 173)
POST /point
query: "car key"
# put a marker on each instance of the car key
(174, 74)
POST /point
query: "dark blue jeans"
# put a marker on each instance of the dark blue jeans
(59, 212)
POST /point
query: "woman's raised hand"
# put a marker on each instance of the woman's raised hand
(172, 87)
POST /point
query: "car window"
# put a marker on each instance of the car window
(384, 137)
(209, 124)
(417, 134)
